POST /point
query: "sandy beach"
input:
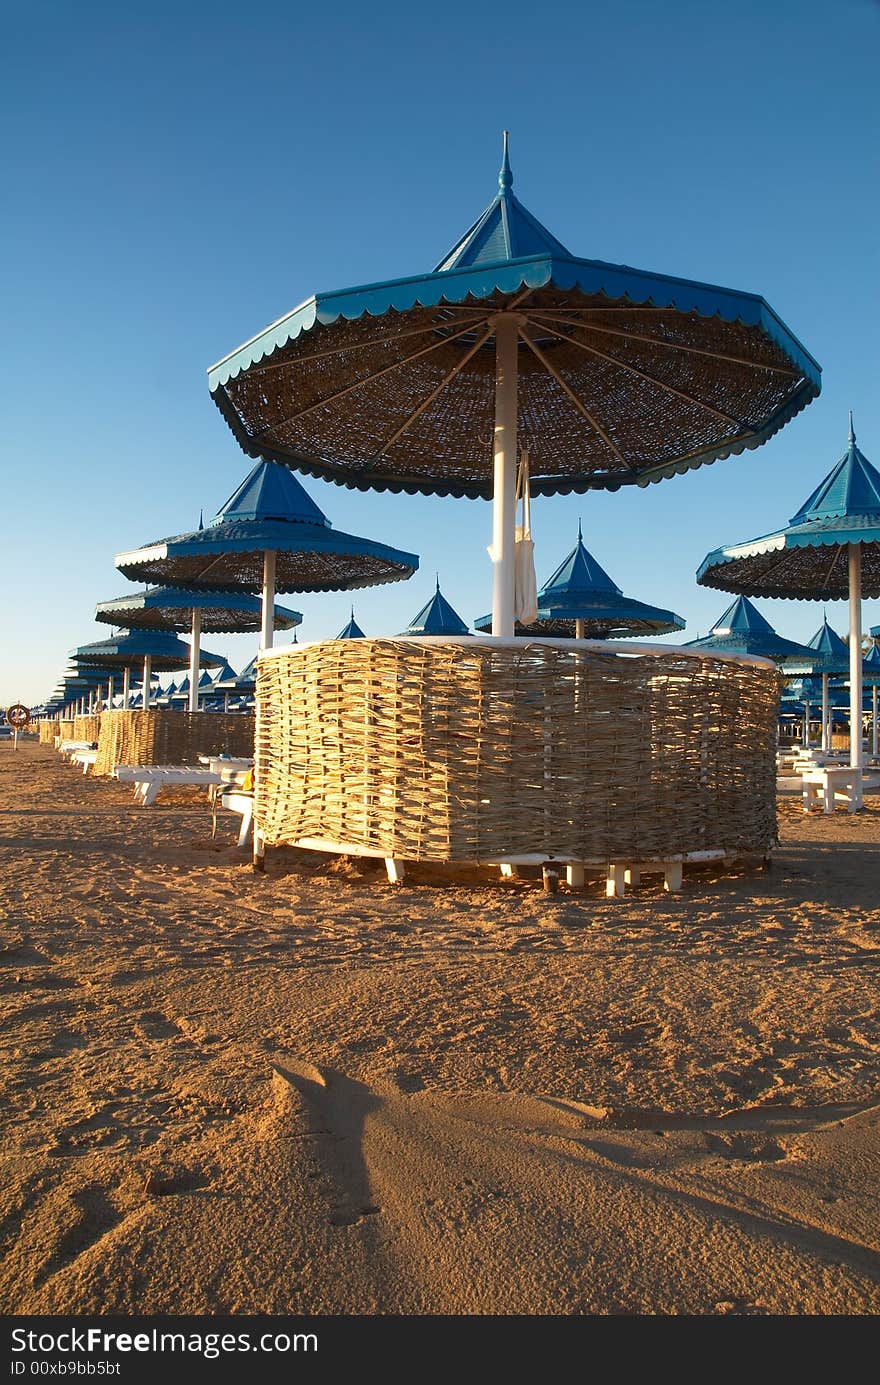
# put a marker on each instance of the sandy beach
(313, 1092)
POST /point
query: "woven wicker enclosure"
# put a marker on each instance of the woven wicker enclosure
(65, 728)
(48, 731)
(472, 750)
(86, 728)
(159, 737)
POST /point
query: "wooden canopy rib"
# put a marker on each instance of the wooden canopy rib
(343, 350)
(365, 380)
(678, 346)
(579, 405)
(537, 318)
(389, 442)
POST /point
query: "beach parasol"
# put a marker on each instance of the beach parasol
(170, 608)
(351, 631)
(829, 655)
(608, 376)
(829, 551)
(741, 629)
(269, 536)
(580, 599)
(436, 618)
(158, 651)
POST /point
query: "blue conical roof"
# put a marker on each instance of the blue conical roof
(851, 488)
(226, 675)
(741, 629)
(271, 491)
(506, 230)
(437, 618)
(577, 574)
(351, 631)
(828, 644)
(871, 666)
(742, 618)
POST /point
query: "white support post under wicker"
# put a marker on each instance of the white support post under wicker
(126, 687)
(148, 673)
(504, 495)
(196, 638)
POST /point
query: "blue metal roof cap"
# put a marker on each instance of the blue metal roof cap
(351, 631)
(851, 488)
(576, 574)
(742, 629)
(742, 618)
(871, 666)
(505, 231)
(437, 618)
(271, 491)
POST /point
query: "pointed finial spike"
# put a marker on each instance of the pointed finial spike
(201, 519)
(505, 176)
(852, 431)
(437, 576)
(352, 610)
(580, 531)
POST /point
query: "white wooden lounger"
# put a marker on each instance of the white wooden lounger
(86, 758)
(150, 780)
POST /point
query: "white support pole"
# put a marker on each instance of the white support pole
(148, 673)
(126, 687)
(580, 629)
(806, 723)
(268, 625)
(110, 681)
(874, 721)
(826, 729)
(504, 496)
(194, 659)
(856, 759)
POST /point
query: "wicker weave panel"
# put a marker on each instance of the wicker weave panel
(439, 752)
(48, 731)
(86, 728)
(160, 737)
(65, 728)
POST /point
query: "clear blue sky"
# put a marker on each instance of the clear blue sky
(175, 176)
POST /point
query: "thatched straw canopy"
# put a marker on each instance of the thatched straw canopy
(170, 608)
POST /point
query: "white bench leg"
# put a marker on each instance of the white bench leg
(574, 875)
(828, 798)
(151, 792)
(672, 877)
(615, 887)
(632, 877)
(247, 818)
(508, 872)
(396, 870)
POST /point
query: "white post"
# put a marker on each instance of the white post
(268, 626)
(855, 656)
(126, 686)
(148, 673)
(826, 729)
(110, 681)
(504, 497)
(580, 629)
(806, 723)
(194, 660)
(874, 721)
